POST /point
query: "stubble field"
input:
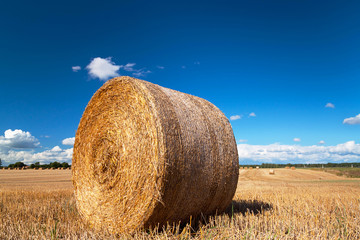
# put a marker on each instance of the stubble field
(291, 204)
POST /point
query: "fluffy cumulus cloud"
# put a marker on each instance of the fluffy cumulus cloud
(321, 142)
(29, 157)
(297, 140)
(103, 68)
(277, 153)
(76, 68)
(352, 120)
(18, 145)
(68, 141)
(17, 139)
(252, 114)
(235, 117)
(330, 105)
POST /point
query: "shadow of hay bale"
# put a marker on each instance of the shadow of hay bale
(247, 206)
(193, 225)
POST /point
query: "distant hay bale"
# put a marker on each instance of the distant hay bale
(287, 167)
(245, 168)
(292, 168)
(145, 155)
(241, 168)
(251, 168)
(271, 171)
(257, 167)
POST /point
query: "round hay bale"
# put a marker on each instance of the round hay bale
(271, 171)
(241, 168)
(292, 168)
(245, 168)
(287, 167)
(145, 155)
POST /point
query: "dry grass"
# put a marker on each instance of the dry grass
(288, 205)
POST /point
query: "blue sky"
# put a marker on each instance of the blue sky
(280, 61)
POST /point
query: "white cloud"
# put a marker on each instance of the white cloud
(141, 73)
(102, 68)
(330, 105)
(297, 140)
(322, 142)
(18, 145)
(345, 152)
(29, 157)
(252, 114)
(242, 140)
(235, 117)
(17, 139)
(352, 120)
(56, 149)
(160, 67)
(68, 141)
(129, 67)
(76, 68)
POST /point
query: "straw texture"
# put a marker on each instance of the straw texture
(145, 155)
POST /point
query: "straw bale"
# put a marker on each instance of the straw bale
(292, 168)
(287, 167)
(271, 171)
(145, 155)
(241, 168)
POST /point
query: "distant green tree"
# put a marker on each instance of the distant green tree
(65, 165)
(0, 162)
(55, 165)
(19, 165)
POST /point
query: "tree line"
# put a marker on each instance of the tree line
(38, 165)
(300, 165)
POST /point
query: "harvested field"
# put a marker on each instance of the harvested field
(301, 204)
(35, 179)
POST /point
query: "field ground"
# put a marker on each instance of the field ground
(342, 171)
(291, 204)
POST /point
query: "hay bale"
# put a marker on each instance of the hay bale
(241, 168)
(257, 167)
(250, 168)
(287, 167)
(292, 168)
(245, 168)
(145, 155)
(271, 171)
